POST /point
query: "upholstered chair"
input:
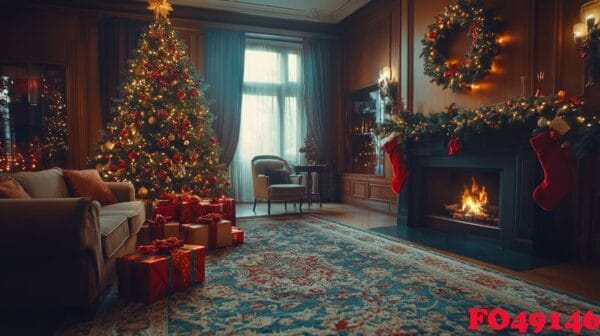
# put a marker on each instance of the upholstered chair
(274, 182)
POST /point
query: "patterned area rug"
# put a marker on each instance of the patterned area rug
(309, 276)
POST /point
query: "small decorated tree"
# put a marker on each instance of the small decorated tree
(309, 149)
(161, 138)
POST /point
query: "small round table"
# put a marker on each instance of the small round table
(312, 168)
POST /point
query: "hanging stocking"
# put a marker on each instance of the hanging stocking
(559, 173)
(454, 146)
(394, 150)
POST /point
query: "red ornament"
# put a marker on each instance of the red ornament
(132, 155)
(124, 133)
(454, 146)
(122, 165)
(180, 94)
(186, 123)
(212, 142)
(204, 192)
(162, 174)
(432, 35)
(575, 100)
(186, 76)
(113, 168)
(511, 103)
(211, 179)
(119, 145)
(155, 74)
(193, 92)
(163, 142)
(176, 158)
(227, 183)
(161, 113)
(185, 189)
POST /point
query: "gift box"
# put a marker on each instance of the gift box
(219, 230)
(237, 235)
(196, 234)
(228, 212)
(143, 236)
(150, 276)
(171, 229)
(165, 208)
(156, 229)
(189, 212)
(198, 262)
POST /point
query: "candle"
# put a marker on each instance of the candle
(591, 22)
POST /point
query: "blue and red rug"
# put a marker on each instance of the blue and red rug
(309, 276)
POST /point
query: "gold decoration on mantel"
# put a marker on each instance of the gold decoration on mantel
(160, 8)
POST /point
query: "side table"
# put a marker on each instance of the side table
(310, 169)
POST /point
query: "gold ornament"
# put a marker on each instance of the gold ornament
(109, 145)
(151, 120)
(186, 143)
(143, 192)
(160, 8)
(171, 137)
(168, 180)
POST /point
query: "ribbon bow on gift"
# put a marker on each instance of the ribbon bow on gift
(209, 218)
(161, 245)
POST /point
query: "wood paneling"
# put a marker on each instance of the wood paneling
(360, 189)
(382, 193)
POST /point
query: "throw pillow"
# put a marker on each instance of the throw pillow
(10, 188)
(278, 176)
(88, 183)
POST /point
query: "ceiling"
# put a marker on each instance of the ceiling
(328, 11)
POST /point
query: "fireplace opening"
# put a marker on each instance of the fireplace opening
(465, 196)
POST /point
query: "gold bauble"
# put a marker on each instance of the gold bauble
(171, 137)
(109, 145)
(142, 192)
(152, 120)
(186, 143)
(168, 180)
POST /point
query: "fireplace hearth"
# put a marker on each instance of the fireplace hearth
(483, 194)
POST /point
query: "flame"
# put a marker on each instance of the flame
(474, 200)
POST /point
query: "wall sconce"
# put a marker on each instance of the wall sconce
(586, 35)
(590, 17)
(385, 77)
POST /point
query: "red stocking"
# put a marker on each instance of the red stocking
(559, 174)
(394, 150)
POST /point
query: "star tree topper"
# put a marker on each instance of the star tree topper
(160, 8)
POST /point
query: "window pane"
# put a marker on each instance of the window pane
(259, 128)
(293, 68)
(262, 67)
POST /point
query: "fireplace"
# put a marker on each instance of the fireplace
(455, 196)
(482, 194)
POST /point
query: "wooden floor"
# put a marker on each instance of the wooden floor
(575, 279)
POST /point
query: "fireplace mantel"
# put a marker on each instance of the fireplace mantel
(525, 227)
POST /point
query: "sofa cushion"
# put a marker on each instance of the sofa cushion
(88, 183)
(10, 188)
(115, 232)
(44, 184)
(134, 211)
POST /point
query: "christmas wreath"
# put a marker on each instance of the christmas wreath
(482, 28)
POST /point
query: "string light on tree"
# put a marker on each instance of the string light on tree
(161, 138)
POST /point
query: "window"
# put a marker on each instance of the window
(272, 120)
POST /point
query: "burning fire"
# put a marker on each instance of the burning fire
(474, 200)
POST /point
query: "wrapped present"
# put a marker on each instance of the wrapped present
(237, 235)
(228, 208)
(143, 236)
(194, 208)
(165, 208)
(159, 269)
(198, 262)
(171, 229)
(210, 207)
(219, 230)
(196, 234)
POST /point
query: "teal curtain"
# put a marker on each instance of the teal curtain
(225, 77)
(319, 76)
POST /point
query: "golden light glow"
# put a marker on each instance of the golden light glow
(474, 200)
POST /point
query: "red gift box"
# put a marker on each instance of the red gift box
(228, 208)
(192, 210)
(150, 276)
(198, 262)
(219, 230)
(237, 235)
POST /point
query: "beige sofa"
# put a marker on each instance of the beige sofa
(59, 251)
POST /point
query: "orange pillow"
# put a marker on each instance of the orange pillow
(88, 183)
(10, 188)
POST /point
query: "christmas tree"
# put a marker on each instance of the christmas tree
(161, 138)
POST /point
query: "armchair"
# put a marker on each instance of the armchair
(285, 188)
